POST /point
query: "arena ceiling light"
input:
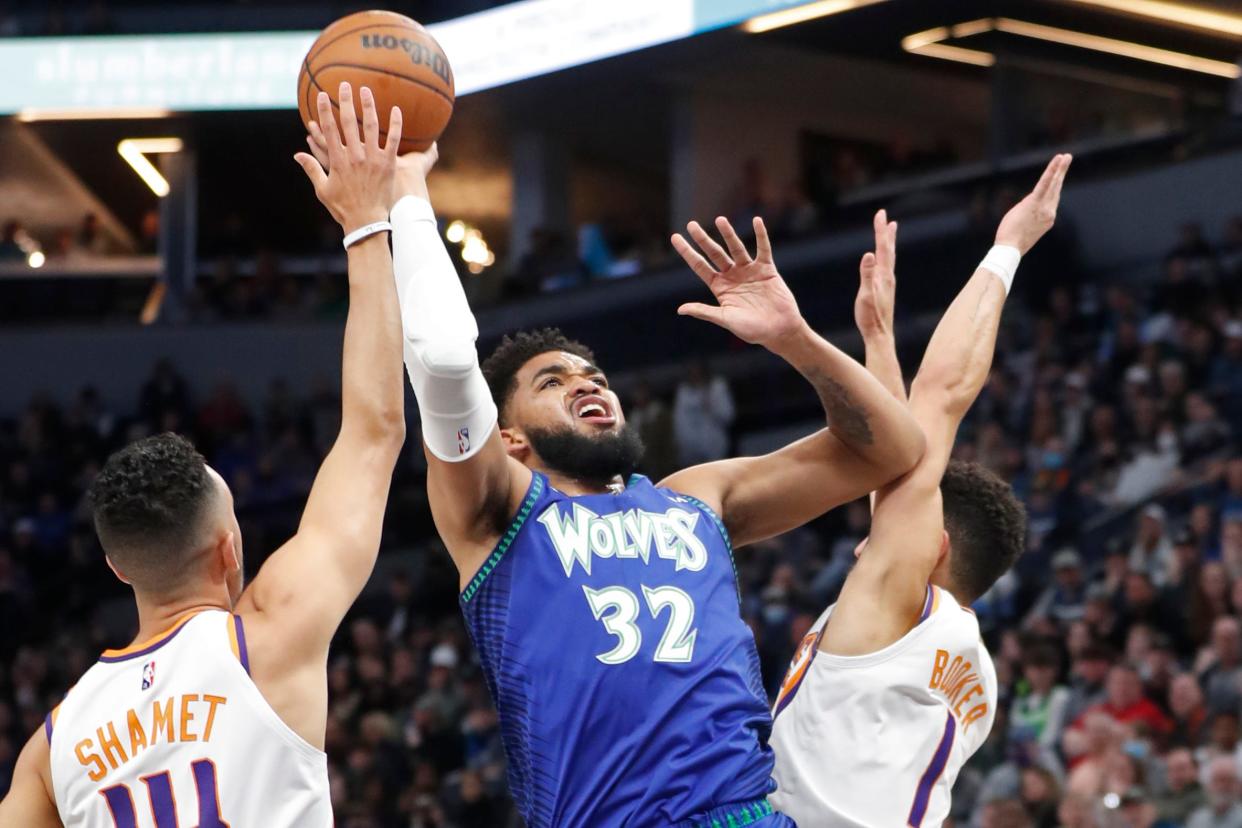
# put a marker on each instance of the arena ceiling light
(801, 14)
(1195, 17)
(122, 113)
(135, 151)
(930, 43)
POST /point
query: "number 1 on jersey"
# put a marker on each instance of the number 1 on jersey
(163, 805)
(677, 643)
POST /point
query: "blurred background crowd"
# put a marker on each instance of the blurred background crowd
(213, 308)
(1118, 644)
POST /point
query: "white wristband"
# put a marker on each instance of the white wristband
(1002, 260)
(365, 232)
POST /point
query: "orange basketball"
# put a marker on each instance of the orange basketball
(393, 55)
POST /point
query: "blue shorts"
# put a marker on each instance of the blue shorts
(759, 814)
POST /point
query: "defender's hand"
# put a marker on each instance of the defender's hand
(877, 282)
(755, 303)
(412, 168)
(1028, 220)
(357, 181)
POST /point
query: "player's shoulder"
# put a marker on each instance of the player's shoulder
(944, 611)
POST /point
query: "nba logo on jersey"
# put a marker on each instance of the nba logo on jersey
(148, 675)
(463, 440)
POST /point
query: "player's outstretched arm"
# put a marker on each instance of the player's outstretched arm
(473, 485)
(307, 585)
(29, 802)
(871, 437)
(887, 588)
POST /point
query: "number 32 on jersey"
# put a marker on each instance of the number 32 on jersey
(618, 609)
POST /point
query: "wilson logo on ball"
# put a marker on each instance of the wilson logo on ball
(419, 54)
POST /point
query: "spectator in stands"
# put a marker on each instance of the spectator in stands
(10, 249)
(1184, 794)
(1189, 710)
(90, 239)
(1038, 713)
(702, 413)
(1125, 703)
(1152, 551)
(1064, 601)
(1223, 809)
(649, 415)
(1221, 666)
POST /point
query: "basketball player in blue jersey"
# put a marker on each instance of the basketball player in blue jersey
(892, 689)
(605, 606)
(216, 716)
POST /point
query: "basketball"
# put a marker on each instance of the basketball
(397, 59)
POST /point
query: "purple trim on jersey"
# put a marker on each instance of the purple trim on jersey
(107, 659)
(928, 603)
(47, 727)
(940, 759)
(242, 653)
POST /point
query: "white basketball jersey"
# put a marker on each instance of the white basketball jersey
(173, 732)
(878, 740)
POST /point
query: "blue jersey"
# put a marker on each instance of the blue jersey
(627, 684)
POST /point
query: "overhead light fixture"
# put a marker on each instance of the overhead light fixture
(117, 113)
(1196, 17)
(135, 150)
(801, 14)
(1122, 48)
(930, 43)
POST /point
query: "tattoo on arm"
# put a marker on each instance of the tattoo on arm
(847, 418)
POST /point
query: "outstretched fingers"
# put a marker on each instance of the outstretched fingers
(763, 245)
(714, 251)
(692, 258)
(737, 250)
(349, 116)
(1058, 178)
(327, 127)
(393, 142)
(313, 169)
(885, 240)
(370, 118)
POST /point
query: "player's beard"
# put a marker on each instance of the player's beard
(593, 459)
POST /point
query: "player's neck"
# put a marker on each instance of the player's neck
(156, 614)
(574, 486)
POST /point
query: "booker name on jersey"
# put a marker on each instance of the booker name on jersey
(879, 739)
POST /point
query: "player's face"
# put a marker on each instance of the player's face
(558, 390)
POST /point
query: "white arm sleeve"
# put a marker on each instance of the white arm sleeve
(439, 330)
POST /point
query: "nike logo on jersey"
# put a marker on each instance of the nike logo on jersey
(580, 535)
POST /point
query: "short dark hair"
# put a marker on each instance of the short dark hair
(986, 525)
(148, 503)
(500, 369)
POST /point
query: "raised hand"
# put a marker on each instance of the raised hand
(877, 281)
(1032, 217)
(412, 168)
(755, 304)
(352, 174)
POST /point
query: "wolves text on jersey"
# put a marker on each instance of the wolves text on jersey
(582, 534)
(959, 682)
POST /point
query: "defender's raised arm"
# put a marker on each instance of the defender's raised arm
(870, 438)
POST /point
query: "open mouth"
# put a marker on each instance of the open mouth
(593, 409)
